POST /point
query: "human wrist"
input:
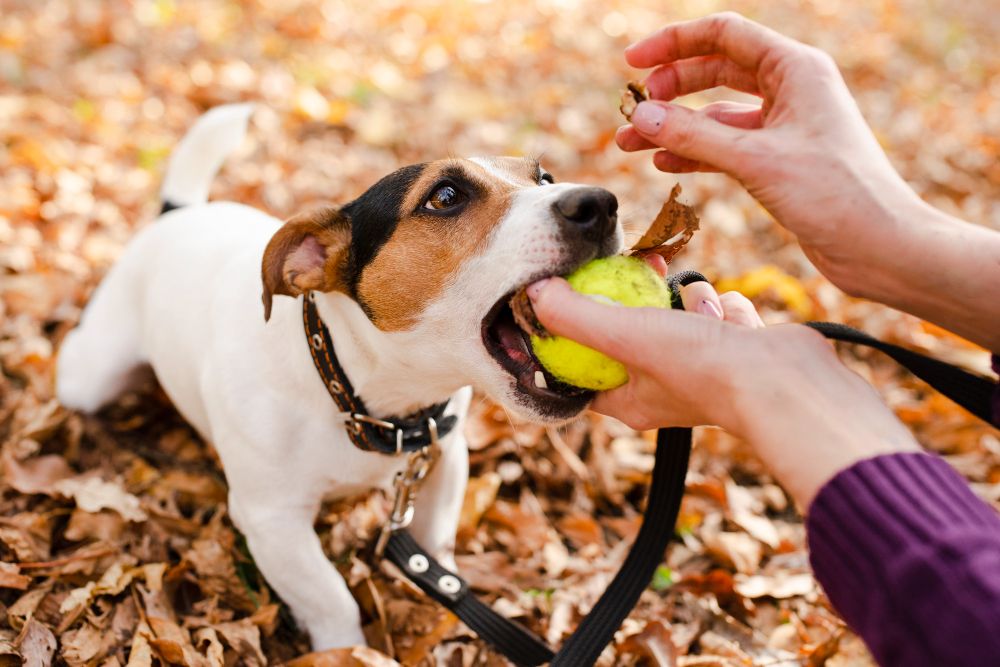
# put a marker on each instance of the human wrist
(807, 416)
(875, 257)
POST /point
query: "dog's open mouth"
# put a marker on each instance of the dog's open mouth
(511, 347)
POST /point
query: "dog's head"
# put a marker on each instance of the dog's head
(432, 253)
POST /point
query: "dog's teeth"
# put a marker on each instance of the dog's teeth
(540, 380)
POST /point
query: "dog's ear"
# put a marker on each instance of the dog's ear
(309, 252)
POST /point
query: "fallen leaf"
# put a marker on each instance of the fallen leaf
(244, 638)
(36, 643)
(653, 643)
(357, 656)
(11, 577)
(93, 494)
(479, 497)
(670, 231)
(35, 475)
(781, 585)
(217, 574)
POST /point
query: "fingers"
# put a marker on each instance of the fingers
(728, 34)
(607, 328)
(701, 297)
(740, 310)
(692, 135)
(692, 75)
(733, 307)
(736, 114)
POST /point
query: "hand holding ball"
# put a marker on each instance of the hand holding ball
(624, 281)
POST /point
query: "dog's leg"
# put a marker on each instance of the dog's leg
(288, 553)
(98, 360)
(439, 501)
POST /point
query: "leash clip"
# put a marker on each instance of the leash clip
(405, 486)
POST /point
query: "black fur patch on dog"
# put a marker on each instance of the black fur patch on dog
(374, 216)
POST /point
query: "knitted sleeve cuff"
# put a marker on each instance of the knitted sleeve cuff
(910, 557)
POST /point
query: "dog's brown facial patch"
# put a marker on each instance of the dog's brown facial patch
(430, 244)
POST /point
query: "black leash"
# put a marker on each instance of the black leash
(673, 448)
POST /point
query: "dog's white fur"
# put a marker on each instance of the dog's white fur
(185, 298)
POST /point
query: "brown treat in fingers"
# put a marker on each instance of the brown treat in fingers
(634, 93)
(524, 314)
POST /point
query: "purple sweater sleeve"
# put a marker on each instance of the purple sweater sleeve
(910, 557)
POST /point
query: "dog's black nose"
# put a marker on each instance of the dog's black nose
(591, 211)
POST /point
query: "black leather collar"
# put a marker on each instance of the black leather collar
(392, 435)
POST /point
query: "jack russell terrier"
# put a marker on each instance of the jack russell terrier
(412, 279)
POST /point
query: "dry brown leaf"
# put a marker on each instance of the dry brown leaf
(81, 646)
(217, 575)
(35, 475)
(93, 494)
(244, 638)
(173, 643)
(737, 550)
(36, 644)
(266, 618)
(427, 640)
(653, 643)
(479, 497)
(207, 642)
(581, 529)
(141, 652)
(11, 577)
(781, 585)
(357, 656)
(104, 526)
(672, 228)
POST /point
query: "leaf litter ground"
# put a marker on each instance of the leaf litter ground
(115, 545)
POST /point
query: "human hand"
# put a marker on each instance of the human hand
(780, 388)
(806, 153)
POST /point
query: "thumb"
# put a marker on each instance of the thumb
(604, 327)
(690, 134)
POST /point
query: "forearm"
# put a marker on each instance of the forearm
(936, 267)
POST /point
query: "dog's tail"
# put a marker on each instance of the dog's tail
(200, 154)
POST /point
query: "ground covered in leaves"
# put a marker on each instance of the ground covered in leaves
(114, 539)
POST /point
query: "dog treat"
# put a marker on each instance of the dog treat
(673, 227)
(634, 93)
(524, 314)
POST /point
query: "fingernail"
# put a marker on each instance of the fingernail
(535, 288)
(709, 308)
(648, 118)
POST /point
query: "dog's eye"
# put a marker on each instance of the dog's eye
(446, 196)
(546, 179)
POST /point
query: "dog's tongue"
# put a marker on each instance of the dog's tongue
(513, 341)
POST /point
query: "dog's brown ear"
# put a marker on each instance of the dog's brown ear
(308, 253)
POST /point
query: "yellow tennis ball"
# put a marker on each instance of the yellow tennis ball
(625, 281)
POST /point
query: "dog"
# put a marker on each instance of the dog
(412, 279)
